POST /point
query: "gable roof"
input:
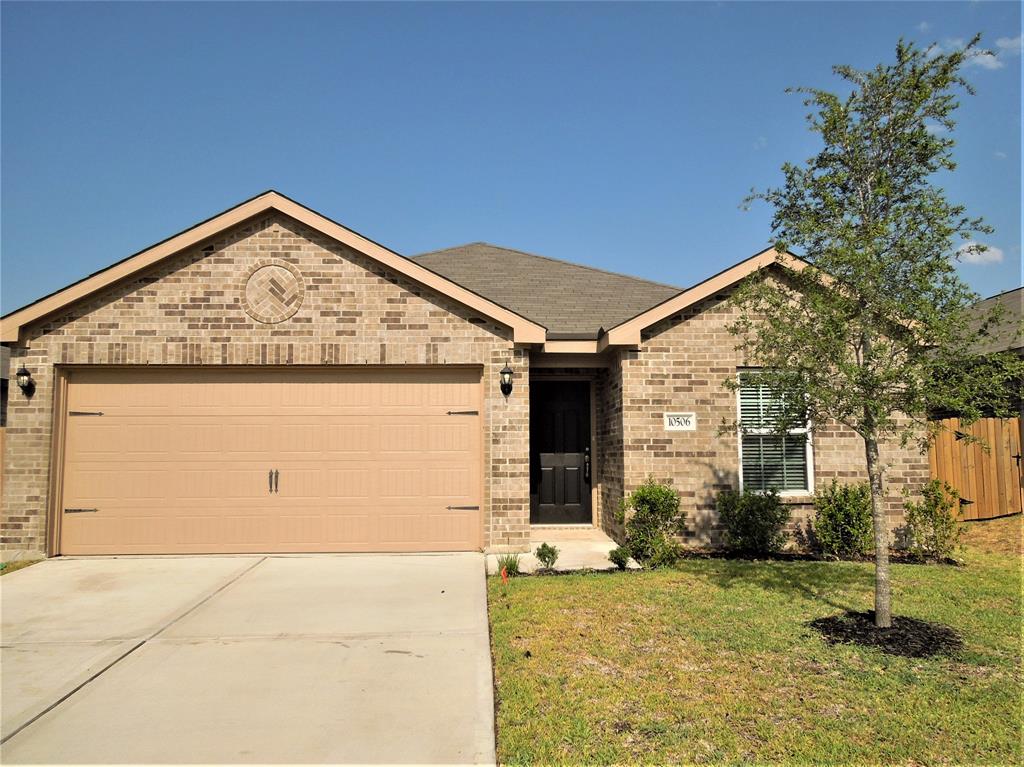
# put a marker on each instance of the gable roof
(524, 330)
(570, 300)
(628, 332)
(541, 299)
(1007, 335)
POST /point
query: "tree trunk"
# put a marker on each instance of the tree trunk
(883, 606)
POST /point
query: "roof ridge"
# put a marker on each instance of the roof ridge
(554, 260)
(1001, 293)
(452, 247)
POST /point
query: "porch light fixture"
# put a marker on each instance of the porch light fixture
(505, 374)
(25, 382)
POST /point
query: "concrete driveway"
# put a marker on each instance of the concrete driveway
(278, 659)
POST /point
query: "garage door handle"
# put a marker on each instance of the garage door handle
(463, 412)
(277, 475)
(80, 511)
(270, 481)
(463, 508)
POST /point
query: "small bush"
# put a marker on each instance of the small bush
(664, 552)
(509, 563)
(547, 555)
(753, 522)
(842, 520)
(932, 529)
(653, 523)
(619, 557)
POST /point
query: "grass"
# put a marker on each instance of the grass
(713, 662)
(6, 568)
(996, 536)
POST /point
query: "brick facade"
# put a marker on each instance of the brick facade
(191, 310)
(611, 467)
(680, 366)
(272, 291)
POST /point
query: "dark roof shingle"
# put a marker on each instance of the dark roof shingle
(568, 299)
(1007, 335)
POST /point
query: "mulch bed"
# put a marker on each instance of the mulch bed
(579, 571)
(908, 637)
(895, 557)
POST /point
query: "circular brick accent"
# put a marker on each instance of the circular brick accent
(272, 292)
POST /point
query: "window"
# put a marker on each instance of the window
(769, 460)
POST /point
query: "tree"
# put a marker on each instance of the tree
(870, 327)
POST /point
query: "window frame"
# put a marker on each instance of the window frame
(807, 429)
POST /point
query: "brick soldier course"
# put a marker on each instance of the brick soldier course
(280, 288)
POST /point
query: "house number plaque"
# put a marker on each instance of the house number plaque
(680, 421)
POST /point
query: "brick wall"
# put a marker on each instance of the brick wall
(189, 310)
(680, 366)
(611, 466)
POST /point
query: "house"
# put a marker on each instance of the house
(1007, 335)
(269, 380)
(987, 471)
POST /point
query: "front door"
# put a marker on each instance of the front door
(560, 452)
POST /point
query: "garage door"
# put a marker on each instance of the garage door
(200, 461)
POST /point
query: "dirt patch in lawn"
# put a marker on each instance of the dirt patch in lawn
(909, 637)
(995, 536)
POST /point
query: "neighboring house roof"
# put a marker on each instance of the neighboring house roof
(1007, 335)
(524, 330)
(570, 300)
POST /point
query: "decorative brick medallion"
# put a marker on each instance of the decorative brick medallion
(272, 291)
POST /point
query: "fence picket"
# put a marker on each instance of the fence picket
(990, 478)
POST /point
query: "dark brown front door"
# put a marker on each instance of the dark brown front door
(560, 452)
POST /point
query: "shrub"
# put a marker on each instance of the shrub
(654, 522)
(753, 522)
(842, 520)
(932, 528)
(665, 551)
(509, 563)
(619, 557)
(547, 555)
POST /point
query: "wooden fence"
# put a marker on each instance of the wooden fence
(989, 478)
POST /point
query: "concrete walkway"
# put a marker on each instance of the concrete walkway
(580, 547)
(291, 659)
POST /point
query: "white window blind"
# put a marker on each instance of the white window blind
(770, 460)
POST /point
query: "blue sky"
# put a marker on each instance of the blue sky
(618, 135)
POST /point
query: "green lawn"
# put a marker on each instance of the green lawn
(713, 662)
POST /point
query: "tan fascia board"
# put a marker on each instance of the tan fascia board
(628, 332)
(571, 347)
(524, 331)
(540, 360)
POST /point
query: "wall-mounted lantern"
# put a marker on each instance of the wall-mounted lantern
(25, 382)
(505, 374)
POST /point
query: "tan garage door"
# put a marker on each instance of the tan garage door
(214, 461)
